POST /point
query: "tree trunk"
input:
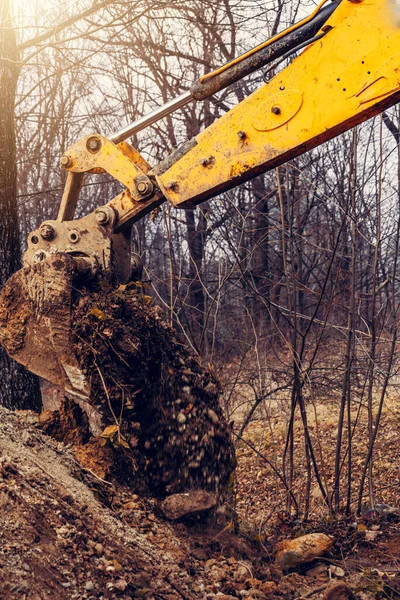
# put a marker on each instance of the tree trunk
(18, 388)
(196, 242)
(261, 267)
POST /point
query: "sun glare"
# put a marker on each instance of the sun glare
(393, 10)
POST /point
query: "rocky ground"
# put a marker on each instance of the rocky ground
(68, 534)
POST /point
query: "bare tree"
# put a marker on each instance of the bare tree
(19, 388)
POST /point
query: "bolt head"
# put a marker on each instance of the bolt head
(276, 110)
(142, 187)
(93, 144)
(65, 161)
(74, 236)
(101, 217)
(47, 232)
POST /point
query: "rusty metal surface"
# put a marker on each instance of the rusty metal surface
(95, 152)
(35, 312)
(105, 253)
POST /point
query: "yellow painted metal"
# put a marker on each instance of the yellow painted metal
(121, 161)
(115, 160)
(349, 75)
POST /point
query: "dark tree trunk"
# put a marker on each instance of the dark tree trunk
(18, 388)
(261, 265)
(196, 236)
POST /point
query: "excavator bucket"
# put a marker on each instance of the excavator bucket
(35, 317)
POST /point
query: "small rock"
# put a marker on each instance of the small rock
(98, 548)
(180, 505)
(268, 587)
(89, 586)
(255, 593)
(252, 583)
(213, 416)
(242, 572)
(121, 585)
(316, 570)
(217, 574)
(210, 563)
(337, 571)
(292, 553)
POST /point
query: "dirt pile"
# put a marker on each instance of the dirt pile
(68, 535)
(58, 540)
(158, 407)
(153, 409)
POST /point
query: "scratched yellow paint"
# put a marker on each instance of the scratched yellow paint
(122, 162)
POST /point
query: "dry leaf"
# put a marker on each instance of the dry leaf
(123, 441)
(117, 565)
(370, 536)
(99, 314)
(110, 431)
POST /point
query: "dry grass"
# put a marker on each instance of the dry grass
(261, 496)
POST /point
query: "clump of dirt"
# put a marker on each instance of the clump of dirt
(69, 424)
(159, 407)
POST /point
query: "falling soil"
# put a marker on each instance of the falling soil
(157, 405)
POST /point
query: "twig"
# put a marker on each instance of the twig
(321, 588)
(107, 394)
(92, 473)
(275, 470)
(178, 589)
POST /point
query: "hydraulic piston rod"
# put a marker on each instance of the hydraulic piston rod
(153, 117)
(201, 90)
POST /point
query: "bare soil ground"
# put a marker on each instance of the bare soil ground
(68, 535)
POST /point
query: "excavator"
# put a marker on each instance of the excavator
(344, 68)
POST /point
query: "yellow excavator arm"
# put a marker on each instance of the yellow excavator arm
(340, 80)
(348, 72)
(344, 77)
